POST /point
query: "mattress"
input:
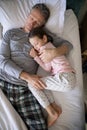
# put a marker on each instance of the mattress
(72, 103)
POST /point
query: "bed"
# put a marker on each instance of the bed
(72, 103)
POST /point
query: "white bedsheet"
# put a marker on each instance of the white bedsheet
(72, 117)
(9, 119)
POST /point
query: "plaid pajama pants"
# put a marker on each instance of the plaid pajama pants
(25, 104)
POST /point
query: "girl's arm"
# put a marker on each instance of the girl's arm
(45, 66)
(36, 57)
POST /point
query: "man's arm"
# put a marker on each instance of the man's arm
(62, 48)
(33, 80)
(49, 54)
(58, 41)
(6, 63)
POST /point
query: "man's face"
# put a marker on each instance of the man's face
(35, 19)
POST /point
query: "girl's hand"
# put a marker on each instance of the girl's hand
(33, 53)
(47, 55)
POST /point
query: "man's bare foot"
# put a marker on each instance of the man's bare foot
(52, 118)
(57, 108)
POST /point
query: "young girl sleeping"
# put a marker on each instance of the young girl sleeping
(62, 74)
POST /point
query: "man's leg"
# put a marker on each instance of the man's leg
(26, 105)
(30, 110)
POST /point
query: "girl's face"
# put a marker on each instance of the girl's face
(37, 42)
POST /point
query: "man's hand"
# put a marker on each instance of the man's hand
(33, 53)
(34, 80)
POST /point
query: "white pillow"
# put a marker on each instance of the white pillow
(13, 13)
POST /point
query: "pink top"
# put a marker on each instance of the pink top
(57, 65)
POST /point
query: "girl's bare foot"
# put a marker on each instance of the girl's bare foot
(53, 113)
(52, 118)
(57, 108)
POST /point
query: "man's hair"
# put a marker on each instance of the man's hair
(39, 32)
(43, 9)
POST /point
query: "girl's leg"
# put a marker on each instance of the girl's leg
(57, 108)
(52, 115)
(49, 95)
(40, 96)
(44, 101)
(60, 82)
